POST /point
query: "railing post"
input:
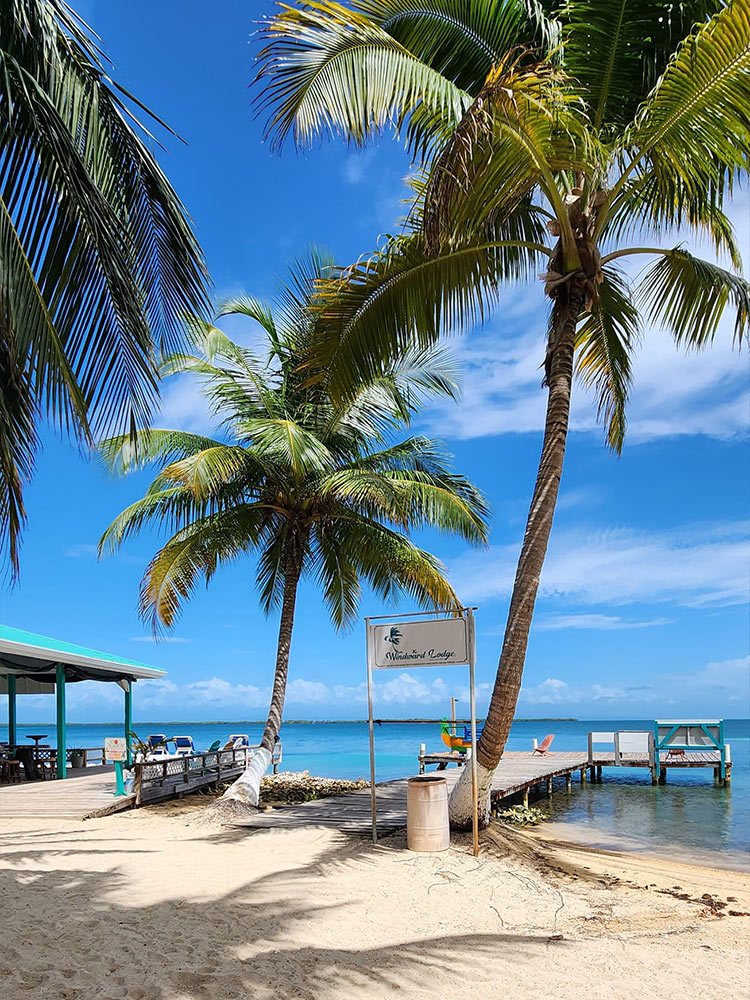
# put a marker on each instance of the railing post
(138, 784)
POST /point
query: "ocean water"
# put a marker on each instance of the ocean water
(689, 818)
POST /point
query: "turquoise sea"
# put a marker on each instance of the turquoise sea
(689, 818)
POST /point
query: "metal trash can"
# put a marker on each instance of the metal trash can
(427, 827)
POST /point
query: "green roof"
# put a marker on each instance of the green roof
(26, 651)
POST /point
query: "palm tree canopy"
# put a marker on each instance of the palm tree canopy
(549, 136)
(295, 473)
(98, 257)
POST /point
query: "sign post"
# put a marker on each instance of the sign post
(116, 750)
(426, 639)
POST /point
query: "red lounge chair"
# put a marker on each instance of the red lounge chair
(545, 744)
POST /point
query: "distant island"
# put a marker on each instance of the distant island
(289, 722)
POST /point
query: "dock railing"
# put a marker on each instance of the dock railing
(594, 738)
(156, 779)
(680, 736)
(633, 742)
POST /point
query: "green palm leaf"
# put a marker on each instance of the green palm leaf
(616, 50)
(298, 469)
(695, 125)
(688, 296)
(99, 260)
(604, 343)
(327, 69)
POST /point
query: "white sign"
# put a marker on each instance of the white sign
(441, 643)
(115, 748)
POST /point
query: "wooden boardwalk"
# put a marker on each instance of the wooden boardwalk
(79, 796)
(85, 794)
(516, 772)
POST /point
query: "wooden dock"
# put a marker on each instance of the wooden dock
(82, 795)
(517, 772)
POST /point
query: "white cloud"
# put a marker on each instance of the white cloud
(356, 167)
(727, 677)
(603, 623)
(717, 683)
(674, 392)
(698, 565)
(554, 691)
(184, 408)
(82, 551)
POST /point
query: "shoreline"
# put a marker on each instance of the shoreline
(556, 831)
(635, 868)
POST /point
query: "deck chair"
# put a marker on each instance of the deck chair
(184, 746)
(214, 746)
(157, 746)
(237, 741)
(545, 744)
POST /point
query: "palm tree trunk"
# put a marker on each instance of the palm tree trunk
(502, 707)
(245, 792)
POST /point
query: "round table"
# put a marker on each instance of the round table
(36, 739)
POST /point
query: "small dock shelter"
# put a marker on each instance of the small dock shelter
(35, 664)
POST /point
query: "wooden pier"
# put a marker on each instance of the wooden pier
(89, 792)
(87, 795)
(174, 777)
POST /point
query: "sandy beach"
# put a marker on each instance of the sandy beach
(149, 905)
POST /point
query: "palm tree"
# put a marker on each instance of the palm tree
(97, 258)
(314, 489)
(573, 139)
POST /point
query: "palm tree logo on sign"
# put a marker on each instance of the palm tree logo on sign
(394, 636)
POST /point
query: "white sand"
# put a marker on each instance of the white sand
(146, 905)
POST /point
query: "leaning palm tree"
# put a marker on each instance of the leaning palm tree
(312, 488)
(567, 142)
(97, 258)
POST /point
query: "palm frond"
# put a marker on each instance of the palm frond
(125, 453)
(329, 70)
(649, 208)
(688, 296)
(384, 305)
(287, 443)
(615, 50)
(196, 551)
(522, 129)
(208, 471)
(695, 125)
(99, 259)
(604, 345)
(255, 309)
(462, 41)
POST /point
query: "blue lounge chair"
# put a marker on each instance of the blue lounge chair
(184, 746)
(157, 745)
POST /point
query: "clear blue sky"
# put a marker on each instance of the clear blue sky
(643, 607)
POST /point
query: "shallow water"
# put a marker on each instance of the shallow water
(689, 818)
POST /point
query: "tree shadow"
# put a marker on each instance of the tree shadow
(74, 933)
